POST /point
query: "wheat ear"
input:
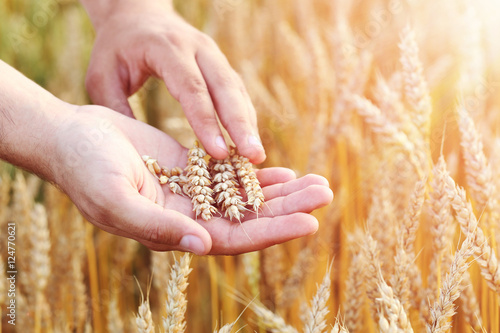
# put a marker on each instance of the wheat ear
(316, 316)
(415, 86)
(355, 294)
(477, 170)
(372, 261)
(444, 309)
(483, 252)
(225, 187)
(251, 263)
(392, 316)
(270, 320)
(40, 240)
(176, 304)
(144, 318)
(248, 179)
(198, 183)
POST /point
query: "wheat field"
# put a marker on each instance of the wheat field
(395, 102)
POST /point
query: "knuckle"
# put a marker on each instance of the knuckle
(93, 79)
(205, 40)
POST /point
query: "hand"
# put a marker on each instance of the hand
(101, 169)
(139, 40)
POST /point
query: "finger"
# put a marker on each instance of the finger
(107, 87)
(303, 201)
(232, 103)
(156, 227)
(270, 176)
(187, 85)
(258, 234)
(287, 188)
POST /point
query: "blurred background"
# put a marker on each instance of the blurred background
(303, 62)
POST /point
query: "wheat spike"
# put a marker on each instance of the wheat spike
(484, 254)
(176, 299)
(478, 171)
(198, 183)
(316, 316)
(270, 320)
(144, 319)
(339, 326)
(444, 309)
(406, 276)
(372, 261)
(354, 294)
(380, 125)
(251, 263)
(392, 314)
(248, 179)
(469, 304)
(225, 187)
(416, 90)
(115, 323)
(226, 328)
(441, 231)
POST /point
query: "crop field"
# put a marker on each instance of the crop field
(395, 102)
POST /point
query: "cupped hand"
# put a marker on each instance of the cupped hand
(147, 39)
(102, 172)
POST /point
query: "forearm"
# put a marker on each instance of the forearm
(29, 119)
(101, 10)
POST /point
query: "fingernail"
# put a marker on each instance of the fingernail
(193, 244)
(219, 141)
(255, 141)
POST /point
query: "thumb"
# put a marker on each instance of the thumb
(158, 228)
(107, 87)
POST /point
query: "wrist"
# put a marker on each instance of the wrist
(102, 12)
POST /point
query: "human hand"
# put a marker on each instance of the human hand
(101, 170)
(137, 40)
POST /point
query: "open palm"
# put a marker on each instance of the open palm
(115, 191)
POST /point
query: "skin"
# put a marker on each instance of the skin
(195, 71)
(93, 154)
